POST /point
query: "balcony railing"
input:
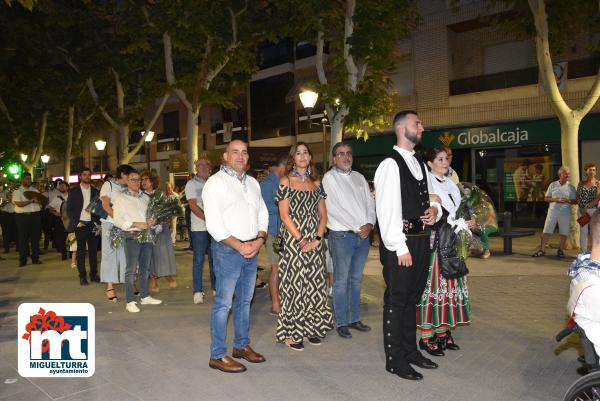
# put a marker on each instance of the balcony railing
(500, 80)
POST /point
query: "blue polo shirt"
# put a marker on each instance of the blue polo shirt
(268, 188)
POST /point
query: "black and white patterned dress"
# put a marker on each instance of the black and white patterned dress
(305, 309)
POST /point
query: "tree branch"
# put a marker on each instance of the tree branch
(591, 98)
(120, 95)
(348, 59)
(170, 71)
(319, 59)
(107, 117)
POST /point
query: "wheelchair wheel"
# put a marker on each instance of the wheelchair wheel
(586, 388)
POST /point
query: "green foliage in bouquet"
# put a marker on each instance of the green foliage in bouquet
(475, 204)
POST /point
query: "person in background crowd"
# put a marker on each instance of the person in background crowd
(113, 262)
(305, 311)
(169, 191)
(588, 191)
(268, 189)
(7, 220)
(561, 195)
(81, 222)
(55, 207)
(199, 233)
(451, 172)
(29, 222)
(129, 214)
(445, 302)
(188, 216)
(237, 219)
(405, 211)
(162, 261)
(46, 220)
(350, 219)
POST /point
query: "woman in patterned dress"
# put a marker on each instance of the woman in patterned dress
(444, 303)
(305, 311)
(587, 199)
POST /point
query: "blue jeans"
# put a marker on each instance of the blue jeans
(349, 253)
(236, 275)
(201, 243)
(137, 255)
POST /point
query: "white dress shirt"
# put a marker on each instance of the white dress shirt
(193, 190)
(129, 209)
(18, 196)
(583, 305)
(447, 190)
(388, 199)
(51, 196)
(87, 194)
(109, 188)
(233, 209)
(9, 206)
(349, 202)
(57, 201)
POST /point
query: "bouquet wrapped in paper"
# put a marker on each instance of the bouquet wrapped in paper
(162, 208)
(475, 204)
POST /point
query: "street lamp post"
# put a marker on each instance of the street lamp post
(309, 99)
(45, 160)
(148, 136)
(101, 145)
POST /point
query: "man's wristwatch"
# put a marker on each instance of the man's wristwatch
(262, 238)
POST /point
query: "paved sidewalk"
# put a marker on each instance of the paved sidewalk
(508, 352)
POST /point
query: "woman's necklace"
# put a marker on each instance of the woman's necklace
(303, 175)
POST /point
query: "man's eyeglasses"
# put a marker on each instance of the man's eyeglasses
(344, 154)
(134, 180)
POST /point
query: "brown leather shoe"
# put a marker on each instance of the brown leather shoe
(227, 365)
(248, 354)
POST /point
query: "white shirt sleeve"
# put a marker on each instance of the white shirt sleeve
(215, 224)
(106, 190)
(371, 215)
(431, 190)
(388, 201)
(190, 192)
(263, 212)
(119, 214)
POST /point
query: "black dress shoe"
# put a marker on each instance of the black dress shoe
(360, 326)
(422, 362)
(83, 281)
(22, 264)
(407, 373)
(95, 278)
(344, 332)
(447, 342)
(36, 262)
(431, 347)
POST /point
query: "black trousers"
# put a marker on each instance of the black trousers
(29, 231)
(9, 230)
(60, 235)
(404, 286)
(87, 240)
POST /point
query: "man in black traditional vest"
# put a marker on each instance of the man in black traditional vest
(405, 211)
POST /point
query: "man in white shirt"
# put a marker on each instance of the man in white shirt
(350, 219)
(129, 214)
(237, 219)
(405, 213)
(82, 224)
(7, 220)
(54, 207)
(29, 222)
(200, 237)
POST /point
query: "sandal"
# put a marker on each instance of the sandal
(539, 253)
(114, 298)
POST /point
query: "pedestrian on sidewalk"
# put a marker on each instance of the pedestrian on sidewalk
(268, 188)
(444, 303)
(55, 208)
(162, 261)
(28, 219)
(237, 219)
(113, 262)
(200, 237)
(7, 220)
(561, 195)
(350, 219)
(588, 192)
(129, 214)
(81, 222)
(305, 310)
(405, 213)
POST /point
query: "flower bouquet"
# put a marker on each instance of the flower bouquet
(475, 204)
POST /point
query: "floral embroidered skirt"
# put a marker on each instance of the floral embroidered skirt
(444, 303)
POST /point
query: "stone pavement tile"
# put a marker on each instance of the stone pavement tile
(66, 386)
(21, 390)
(106, 392)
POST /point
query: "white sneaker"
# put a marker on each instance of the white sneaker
(132, 307)
(198, 298)
(214, 293)
(150, 301)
